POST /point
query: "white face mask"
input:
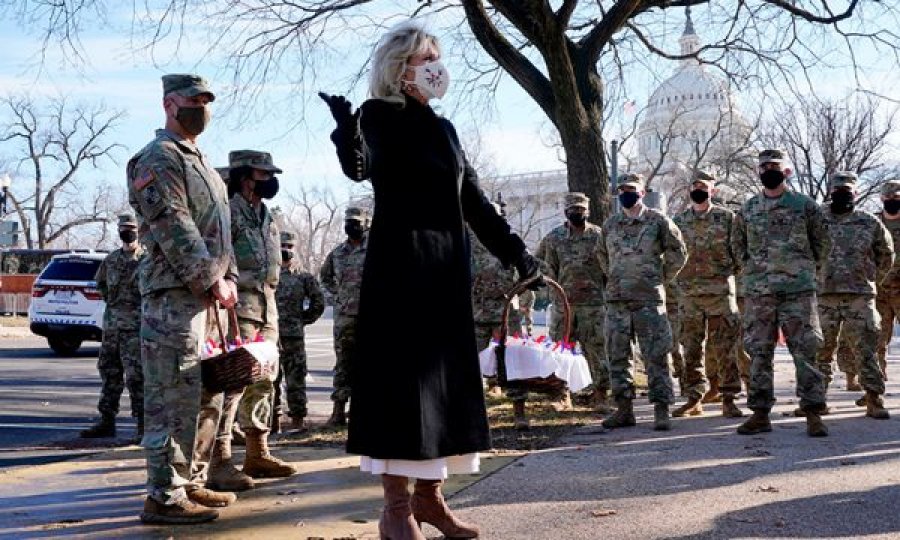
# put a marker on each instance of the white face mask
(432, 79)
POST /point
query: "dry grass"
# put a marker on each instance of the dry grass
(19, 321)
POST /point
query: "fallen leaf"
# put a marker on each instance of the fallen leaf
(300, 524)
(603, 512)
(767, 489)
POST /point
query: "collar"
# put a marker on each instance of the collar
(182, 143)
(640, 217)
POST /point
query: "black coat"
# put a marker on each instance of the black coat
(416, 389)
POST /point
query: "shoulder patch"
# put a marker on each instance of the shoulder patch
(145, 179)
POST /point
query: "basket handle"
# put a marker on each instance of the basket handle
(215, 309)
(521, 287)
(232, 315)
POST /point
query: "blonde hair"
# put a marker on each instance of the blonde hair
(391, 56)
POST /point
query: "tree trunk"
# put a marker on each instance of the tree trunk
(586, 165)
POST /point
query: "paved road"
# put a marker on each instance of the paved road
(45, 400)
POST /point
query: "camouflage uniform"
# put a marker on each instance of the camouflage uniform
(638, 255)
(296, 288)
(672, 304)
(708, 310)
(740, 353)
(526, 308)
(490, 280)
(117, 281)
(182, 208)
(341, 276)
(888, 299)
(572, 259)
(861, 255)
(780, 243)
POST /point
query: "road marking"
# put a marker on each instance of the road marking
(19, 391)
(44, 426)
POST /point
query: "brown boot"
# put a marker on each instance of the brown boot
(712, 395)
(563, 402)
(104, 427)
(853, 383)
(814, 425)
(237, 436)
(186, 511)
(757, 423)
(223, 475)
(875, 407)
(861, 402)
(397, 521)
(693, 407)
(623, 417)
(298, 425)
(210, 498)
(600, 400)
(428, 506)
(258, 462)
(822, 411)
(729, 409)
(520, 417)
(338, 416)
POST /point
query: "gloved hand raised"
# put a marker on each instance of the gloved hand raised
(340, 108)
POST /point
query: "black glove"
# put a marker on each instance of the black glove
(340, 108)
(529, 269)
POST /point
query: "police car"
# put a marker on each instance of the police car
(66, 306)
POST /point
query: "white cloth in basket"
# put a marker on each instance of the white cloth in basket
(526, 359)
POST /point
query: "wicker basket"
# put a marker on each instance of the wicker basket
(233, 370)
(552, 384)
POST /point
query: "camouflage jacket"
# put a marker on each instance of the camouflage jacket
(711, 265)
(341, 275)
(890, 285)
(489, 281)
(639, 255)
(572, 259)
(862, 253)
(182, 208)
(117, 281)
(257, 251)
(780, 244)
(300, 301)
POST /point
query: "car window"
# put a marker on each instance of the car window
(71, 270)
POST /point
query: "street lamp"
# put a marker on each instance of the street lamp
(5, 181)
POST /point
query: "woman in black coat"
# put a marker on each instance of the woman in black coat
(417, 405)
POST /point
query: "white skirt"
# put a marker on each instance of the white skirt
(427, 469)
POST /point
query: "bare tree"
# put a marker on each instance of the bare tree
(51, 145)
(567, 55)
(823, 136)
(316, 216)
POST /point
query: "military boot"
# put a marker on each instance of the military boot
(182, 512)
(210, 498)
(661, 421)
(875, 406)
(814, 425)
(562, 402)
(693, 407)
(623, 417)
(139, 434)
(223, 475)
(338, 416)
(259, 463)
(105, 427)
(757, 423)
(861, 402)
(801, 412)
(600, 400)
(520, 417)
(237, 435)
(729, 409)
(298, 425)
(853, 383)
(712, 395)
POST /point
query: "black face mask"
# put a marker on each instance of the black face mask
(892, 206)
(354, 230)
(193, 119)
(267, 188)
(699, 196)
(772, 178)
(841, 202)
(128, 237)
(629, 198)
(576, 218)
(286, 255)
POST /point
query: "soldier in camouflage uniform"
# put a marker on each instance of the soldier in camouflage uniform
(341, 276)
(570, 255)
(640, 250)
(258, 255)
(848, 363)
(300, 303)
(888, 298)
(526, 308)
(182, 208)
(120, 354)
(861, 255)
(672, 303)
(708, 310)
(780, 240)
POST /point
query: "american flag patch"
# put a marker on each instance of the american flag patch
(144, 180)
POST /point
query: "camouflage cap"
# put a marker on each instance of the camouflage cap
(186, 85)
(630, 179)
(356, 213)
(844, 179)
(288, 238)
(772, 156)
(252, 158)
(576, 198)
(891, 187)
(704, 177)
(127, 221)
